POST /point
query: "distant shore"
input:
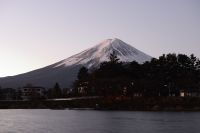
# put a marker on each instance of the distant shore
(111, 103)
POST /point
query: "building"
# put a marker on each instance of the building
(190, 93)
(82, 89)
(32, 92)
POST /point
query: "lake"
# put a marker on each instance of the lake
(91, 121)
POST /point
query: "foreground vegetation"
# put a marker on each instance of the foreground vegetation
(166, 76)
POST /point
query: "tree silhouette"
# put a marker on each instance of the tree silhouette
(113, 57)
(165, 76)
(83, 73)
(55, 92)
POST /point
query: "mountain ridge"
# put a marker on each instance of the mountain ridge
(101, 52)
(65, 71)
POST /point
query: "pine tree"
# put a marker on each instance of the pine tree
(83, 73)
(57, 92)
(113, 57)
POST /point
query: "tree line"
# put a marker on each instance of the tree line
(166, 76)
(51, 93)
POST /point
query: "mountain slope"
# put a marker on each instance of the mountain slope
(65, 71)
(100, 53)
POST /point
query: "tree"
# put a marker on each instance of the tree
(113, 57)
(83, 73)
(55, 92)
(164, 76)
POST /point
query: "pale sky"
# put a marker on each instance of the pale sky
(37, 33)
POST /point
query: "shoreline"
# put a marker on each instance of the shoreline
(108, 103)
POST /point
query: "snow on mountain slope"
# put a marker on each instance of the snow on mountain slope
(65, 71)
(94, 56)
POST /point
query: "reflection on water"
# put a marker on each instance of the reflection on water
(83, 121)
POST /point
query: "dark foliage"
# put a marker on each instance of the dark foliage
(55, 92)
(165, 76)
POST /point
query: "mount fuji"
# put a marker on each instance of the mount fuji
(65, 71)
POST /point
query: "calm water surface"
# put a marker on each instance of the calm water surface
(81, 121)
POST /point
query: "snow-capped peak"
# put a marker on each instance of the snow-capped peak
(94, 56)
(65, 71)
